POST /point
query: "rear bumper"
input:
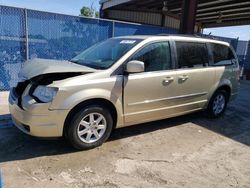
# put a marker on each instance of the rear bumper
(35, 118)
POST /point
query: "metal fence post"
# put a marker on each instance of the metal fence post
(236, 43)
(113, 29)
(26, 33)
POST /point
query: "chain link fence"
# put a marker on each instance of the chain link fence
(27, 34)
(12, 45)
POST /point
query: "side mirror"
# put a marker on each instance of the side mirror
(135, 66)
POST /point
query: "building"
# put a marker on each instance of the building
(187, 15)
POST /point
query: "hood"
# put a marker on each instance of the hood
(36, 67)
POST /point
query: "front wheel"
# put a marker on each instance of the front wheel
(218, 104)
(90, 127)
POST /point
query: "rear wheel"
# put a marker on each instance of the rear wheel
(90, 127)
(218, 104)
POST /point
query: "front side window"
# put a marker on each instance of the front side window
(105, 54)
(156, 56)
(222, 54)
(191, 54)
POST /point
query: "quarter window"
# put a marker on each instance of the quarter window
(192, 54)
(222, 54)
(155, 56)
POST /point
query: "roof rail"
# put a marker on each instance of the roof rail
(181, 35)
(163, 34)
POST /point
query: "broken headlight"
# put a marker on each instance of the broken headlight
(45, 94)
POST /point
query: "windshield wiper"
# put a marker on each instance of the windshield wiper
(73, 61)
(87, 64)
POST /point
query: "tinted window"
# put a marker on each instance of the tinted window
(105, 54)
(155, 56)
(222, 54)
(191, 54)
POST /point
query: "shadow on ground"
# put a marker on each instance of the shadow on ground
(5, 121)
(235, 124)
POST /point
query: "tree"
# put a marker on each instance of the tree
(97, 14)
(89, 11)
(86, 11)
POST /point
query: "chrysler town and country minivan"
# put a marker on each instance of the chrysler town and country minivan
(123, 81)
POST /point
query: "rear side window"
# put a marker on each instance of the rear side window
(222, 54)
(191, 54)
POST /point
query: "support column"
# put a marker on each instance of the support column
(26, 34)
(163, 18)
(102, 13)
(188, 16)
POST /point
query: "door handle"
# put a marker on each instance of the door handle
(168, 80)
(183, 77)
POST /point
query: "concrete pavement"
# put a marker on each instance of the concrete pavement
(187, 151)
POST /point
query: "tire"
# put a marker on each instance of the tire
(90, 127)
(218, 104)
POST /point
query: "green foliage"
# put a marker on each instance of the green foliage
(86, 11)
(89, 12)
(97, 14)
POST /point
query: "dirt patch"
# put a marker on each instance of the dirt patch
(188, 151)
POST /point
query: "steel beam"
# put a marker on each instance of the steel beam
(228, 16)
(227, 23)
(107, 4)
(217, 5)
(223, 7)
(188, 15)
(234, 10)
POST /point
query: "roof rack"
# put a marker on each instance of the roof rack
(180, 35)
(163, 34)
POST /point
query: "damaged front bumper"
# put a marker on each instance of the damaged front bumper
(35, 118)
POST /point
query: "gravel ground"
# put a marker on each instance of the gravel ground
(187, 151)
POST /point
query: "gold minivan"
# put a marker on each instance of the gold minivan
(123, 81)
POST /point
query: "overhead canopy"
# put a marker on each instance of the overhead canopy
(209, 13)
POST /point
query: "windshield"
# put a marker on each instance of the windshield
(105, 54)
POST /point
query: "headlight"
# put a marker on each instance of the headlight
(45, 94)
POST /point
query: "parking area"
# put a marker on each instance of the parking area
(189, 151)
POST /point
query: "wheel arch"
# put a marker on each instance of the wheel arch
(223, 86)
(209, 108)
(95, 101)
(226, 88)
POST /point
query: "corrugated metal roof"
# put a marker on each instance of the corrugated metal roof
(143, 18)
(210, 13)
(111, 3)
(172, 22)
(139, 17)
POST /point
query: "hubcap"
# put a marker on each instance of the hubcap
(219, 104)
(92, 127)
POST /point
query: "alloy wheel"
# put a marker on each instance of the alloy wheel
(91, 128)
(219, 104)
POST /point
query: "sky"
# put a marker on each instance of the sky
(72, 7)
(243, 32)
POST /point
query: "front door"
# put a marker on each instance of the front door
(149, 95)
